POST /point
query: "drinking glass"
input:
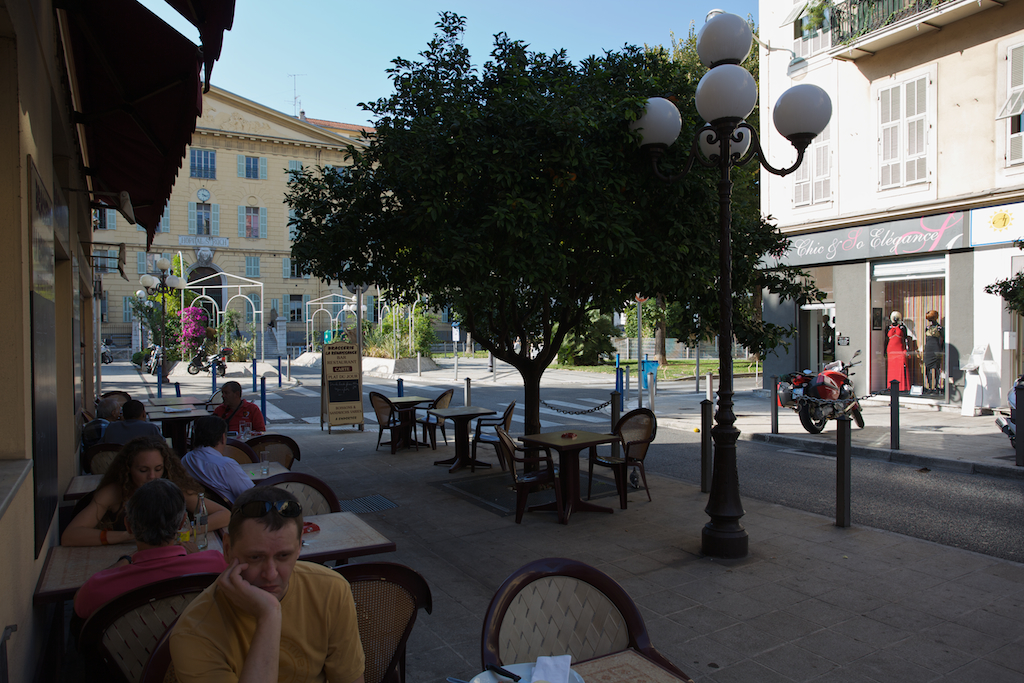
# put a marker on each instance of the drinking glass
(264, 463)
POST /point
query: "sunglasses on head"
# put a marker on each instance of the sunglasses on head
(259, 508)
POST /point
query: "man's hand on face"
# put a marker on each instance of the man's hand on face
(244, 595)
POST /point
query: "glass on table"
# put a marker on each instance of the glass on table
(265, 463)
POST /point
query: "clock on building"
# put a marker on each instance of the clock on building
(203, 194)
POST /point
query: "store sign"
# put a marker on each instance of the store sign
(907, 237)
(997, 224)
(341, 383)
(202, 241)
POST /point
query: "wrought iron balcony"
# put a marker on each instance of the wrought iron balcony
(853, 19)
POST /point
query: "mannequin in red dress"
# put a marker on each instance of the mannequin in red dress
(896, 352)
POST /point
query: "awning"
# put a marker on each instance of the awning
(139, 96)
(212, 18)
(798, 11)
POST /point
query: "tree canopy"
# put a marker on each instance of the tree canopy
(516, 194)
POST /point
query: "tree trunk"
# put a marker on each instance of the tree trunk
(660, 332)
(531, 374)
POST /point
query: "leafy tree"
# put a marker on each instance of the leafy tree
(585, 344)
(516, 194)
(1011, 289)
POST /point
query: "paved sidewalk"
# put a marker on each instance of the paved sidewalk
(812, 602)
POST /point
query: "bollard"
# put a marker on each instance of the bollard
(616, 398)
(494, 367)
(775, 404)
(706, 467)
(894, 415)
(254, 373)
(213, 373)
(160, 381)
(651, 391)
(618, 382)
(279, 378)
(401, 387)
(625, 387)
(419, 369)
(1018, 443)
(177, 389)
(468, 402)
(843, 470)
(456, 364)
(263, 397)
(616, 361)
(289, 367)
(710, 387)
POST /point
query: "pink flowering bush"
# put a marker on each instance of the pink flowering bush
(193, 330)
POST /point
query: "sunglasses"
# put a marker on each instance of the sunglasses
(259, 508)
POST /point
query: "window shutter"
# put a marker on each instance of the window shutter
(294, 165)
(165, 220)
(241, 221)
(241, 165)
(889, 143)
(111, 219)
(286, 267)
(917, 131)
(263, 222)
(371, 311)
(822, 167)
(263, 168)
(126, 309)
(192, 218)
(275, 305)
(801, 183)
(140, 263)
(292, 230)
(214, 219)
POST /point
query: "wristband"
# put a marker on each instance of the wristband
(125, 557)
(103, 537)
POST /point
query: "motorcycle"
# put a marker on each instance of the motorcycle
(203, 363)
(154, 359)
(105, 356)
(799, 389)
(1009, 425)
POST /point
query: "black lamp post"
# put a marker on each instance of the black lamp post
(725, 97)
(162, 283)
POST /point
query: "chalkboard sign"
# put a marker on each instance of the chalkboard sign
(343, 390)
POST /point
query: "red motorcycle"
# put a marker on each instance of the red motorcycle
(833, 383)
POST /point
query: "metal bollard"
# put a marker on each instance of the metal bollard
(710, 387)
(775, 404)
(706, 464)
(494, 367)
(894, 415)
(401, 387)
(279, 378)
(457, 364)
(254, 374)
(468, 401)
(419, 368)
(289, 367)
(263, 397)
(616, 398)
(843, 470)
(213, 373)
(651, 390)
(177, 389)
(160, 382)
(625, 387)
(1018, 442)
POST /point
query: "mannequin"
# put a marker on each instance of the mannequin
(896, 352)
(934, 341)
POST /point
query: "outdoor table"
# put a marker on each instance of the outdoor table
(81, 485)
(176, 401)
(628, 666)
(407, 415)
(461, 417)
(569, 466)
(175, 424)
(342, 535)
(253, 470)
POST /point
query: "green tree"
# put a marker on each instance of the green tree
(1010, 289)
(587, 342)
(516, 194)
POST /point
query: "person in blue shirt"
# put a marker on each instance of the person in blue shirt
(208, 464)
(133, 424)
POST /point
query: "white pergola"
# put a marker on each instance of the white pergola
(332, 308)
(238, 287)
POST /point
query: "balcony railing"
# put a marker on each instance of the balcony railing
(854, 19)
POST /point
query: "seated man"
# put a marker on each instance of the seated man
(235, 410)
(153, 515)
(133, 424)
(207, 462)
(108, 410)
(269, 617)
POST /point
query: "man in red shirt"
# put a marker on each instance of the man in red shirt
(234, 410)
(153, 515)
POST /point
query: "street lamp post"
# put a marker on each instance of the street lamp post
(725, 96)
(162, 283)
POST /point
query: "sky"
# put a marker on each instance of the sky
(327, 56)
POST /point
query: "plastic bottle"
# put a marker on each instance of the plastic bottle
(200, 524)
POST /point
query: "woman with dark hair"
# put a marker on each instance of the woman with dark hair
(141, 460)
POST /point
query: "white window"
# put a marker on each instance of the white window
(1013, 109)
(904, 127)
(812, 30)
(812, 182)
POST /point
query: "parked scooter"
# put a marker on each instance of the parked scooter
(1009, 425)
(105, 356)
(154, 359)
(202, 363)
(831, 384)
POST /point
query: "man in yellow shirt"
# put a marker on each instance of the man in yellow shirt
(269, 617)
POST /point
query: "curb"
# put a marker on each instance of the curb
(894, 456)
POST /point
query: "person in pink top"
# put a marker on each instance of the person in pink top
(153, 515)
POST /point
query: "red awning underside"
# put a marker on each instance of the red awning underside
(212, 18)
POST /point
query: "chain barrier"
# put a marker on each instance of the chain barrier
(577, 412)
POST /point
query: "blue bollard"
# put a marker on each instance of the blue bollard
(279, 372)
(177, 389)
(616, 361)
(254, 374)
(401, 388)
(213, 372)
(263, 397)
(160, 382)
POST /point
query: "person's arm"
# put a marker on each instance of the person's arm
(234, 478)
(262, 660)
(84, 528)
(217, 515)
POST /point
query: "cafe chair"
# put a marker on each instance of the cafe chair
(278, 447)
(433, 422)
(118, 639)
(387, 598)
(537, 472)
(241, 453)
(389, 416)
(483, 435)
(159, 668)
(557, 606)
(216, 398)
(636, 430)
(315, 496)
(97, 459)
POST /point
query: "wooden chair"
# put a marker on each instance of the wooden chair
(636, 430)
(389, 416)
(118, 639)
(278, 447)
(159, 668)
(556, 606)
(532, 477)
(98, 458)
(315, 496)
(240, 452)
(432, 422)
(387, 597)
(485, 437)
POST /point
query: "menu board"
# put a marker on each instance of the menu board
(341, 385)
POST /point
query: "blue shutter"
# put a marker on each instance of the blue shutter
(286, 267)
(263, 168)
(241, 165)
(305, 275)
(294, 165)
(275, 305)
(263, 222)
(140, 263)
(292, 230)
(165, 220)
(214, 219)
(192, 218)
(126, 309)
(241, 221)
(370, 310)
(111, 219)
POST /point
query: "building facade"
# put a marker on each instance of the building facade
(908, 203)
